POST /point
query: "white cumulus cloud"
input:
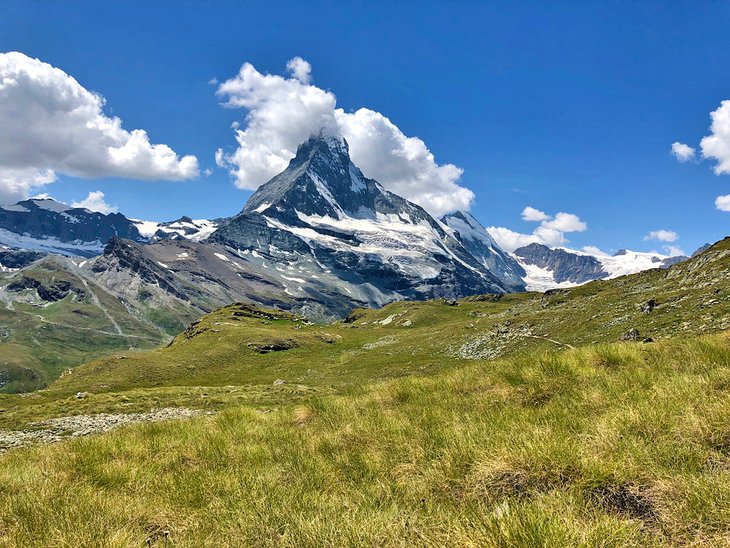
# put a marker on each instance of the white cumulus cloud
(300, 69)
(682, 152)
(594, 250)
(532, 214)
(15, 184)
(723, 202)
(283, 112)
(95, 202)
(717, 145)
(52, 124)
(551, 231)
(565, 222)
(662, 235)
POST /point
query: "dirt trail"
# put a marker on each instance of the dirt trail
(101, 331)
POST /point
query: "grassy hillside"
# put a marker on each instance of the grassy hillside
(404, 338)
(619, 444)
(52, 318)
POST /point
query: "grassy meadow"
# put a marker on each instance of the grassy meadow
(622, 444)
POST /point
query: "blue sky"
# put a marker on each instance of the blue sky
(565, 107)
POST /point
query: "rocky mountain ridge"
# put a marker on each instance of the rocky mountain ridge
(550, 268)
(47, 226)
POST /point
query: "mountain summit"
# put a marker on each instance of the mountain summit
(321, 215)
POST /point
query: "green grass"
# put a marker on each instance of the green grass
(619, 444)
(39, 340)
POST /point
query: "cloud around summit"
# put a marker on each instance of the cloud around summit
(284, 111)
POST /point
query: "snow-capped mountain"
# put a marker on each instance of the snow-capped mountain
(49, 226)
(185, 227)
(322, 219)
(482, 246)
(550, 268)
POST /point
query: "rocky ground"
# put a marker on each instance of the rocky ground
(58, 429)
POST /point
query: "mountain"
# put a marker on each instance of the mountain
(52, 227)
(46, 226)
(550, 268)
(184, 227)
(54, 316)
(322, 219)
(701, 249)
(546, 268)
(477, 241)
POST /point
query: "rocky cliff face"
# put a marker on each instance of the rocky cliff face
(12, 259)
(478, 242)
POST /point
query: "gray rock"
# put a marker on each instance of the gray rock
(648, 306)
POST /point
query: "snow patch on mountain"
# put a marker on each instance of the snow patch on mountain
(630, 262)
(542, 279)
(624, 262)
(75, 248)
(185, 227)
(49, 204)
(16, 207)
(550, 268)
(146, 228)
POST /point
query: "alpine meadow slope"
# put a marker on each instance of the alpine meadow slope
(496, 420)
(225, 347)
